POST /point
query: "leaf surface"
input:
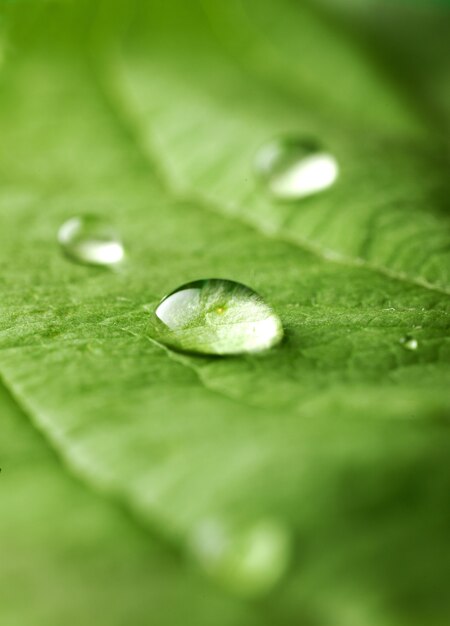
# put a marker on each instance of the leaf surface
(340, 434)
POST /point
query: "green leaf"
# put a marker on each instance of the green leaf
(150, 116)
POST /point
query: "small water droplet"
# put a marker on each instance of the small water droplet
(248, 560)
(293, 168)
(216, 316)
(91, 240)
(409, 342)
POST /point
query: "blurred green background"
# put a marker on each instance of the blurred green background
(307, 486)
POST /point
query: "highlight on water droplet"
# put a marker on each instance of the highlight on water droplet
(248, 559)
(216, 316)
(292, 168)
(91, 240)
(409, 342)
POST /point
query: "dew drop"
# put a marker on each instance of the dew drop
(409, 342)
(248, 560)
(91, 240)
(293, 168)
(216, 316)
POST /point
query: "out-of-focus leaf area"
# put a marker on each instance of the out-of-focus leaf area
(307, 485)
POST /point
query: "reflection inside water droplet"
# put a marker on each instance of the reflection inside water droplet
(216, 316)
(91, 240)
(248, 560)
(409, 342)
(293, 168)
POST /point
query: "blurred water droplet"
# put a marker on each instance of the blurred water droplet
(293, 168)
(216, 316)
(91, 240)
(409, 342)
(248, 560)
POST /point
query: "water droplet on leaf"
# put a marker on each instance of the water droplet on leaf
(248, 560)
(409, 342)
(293, 168)
(216, 316)
(91, 240)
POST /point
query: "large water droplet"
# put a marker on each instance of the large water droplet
(91, 240)
(248, 560)
(293, 168)
(216, 316)
(409, 342)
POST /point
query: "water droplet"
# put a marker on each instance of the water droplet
(91, 240)
(248, 560)
(293, 168)
(216, 316)
(409, 342)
